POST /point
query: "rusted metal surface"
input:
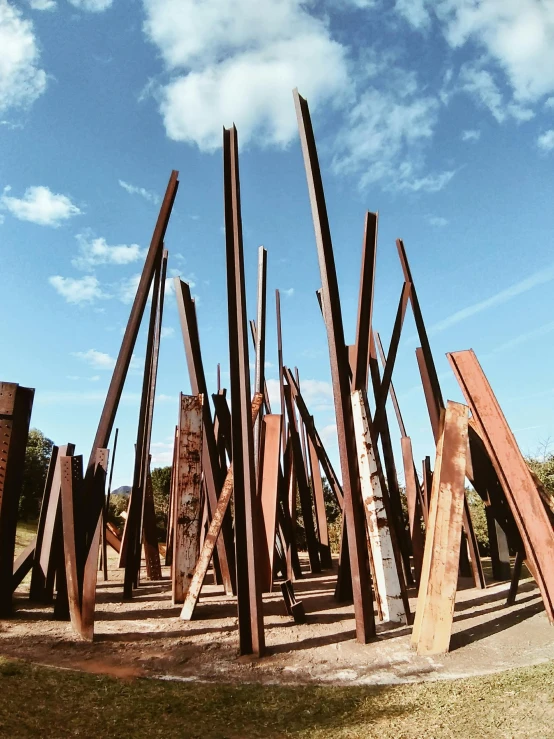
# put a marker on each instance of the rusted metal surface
(97, 487)
(121, 368)
(105, 541)
(314, 437)
(132, 534)
(171, 501)
(427, 484)
(517, 483)
(365, 304)
(280, 363)
(353, 504)
(499, 550)
(473, 549)
(302, 483)
(439, 575)
(414, 507)
(251, 627)
(270, 451)
(187, 511)
(319, 501)
(213, 532)
(213, 474)
(22, 564)
(71, 499)
(387, 582)
(392, 392)
(50, 500)
(259, 366)
(516, 576)
(434, 387)
(151, 548)
(16, 403)
(381, 397)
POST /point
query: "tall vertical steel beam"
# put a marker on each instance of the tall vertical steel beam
(16, 403)
(247, 518)
(131, 540)
(280, 362)
(213, 474)
(259, 370)
(353, 504)
(365, 303)
(121, 368)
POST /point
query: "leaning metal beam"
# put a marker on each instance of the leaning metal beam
(268, 483)
(213, 475)
(439, 575)
(259, 367)
(365, 303)
(353, 504)
(121, 368)
(250, 614)
(517, 483)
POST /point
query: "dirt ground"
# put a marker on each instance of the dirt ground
(145, 636)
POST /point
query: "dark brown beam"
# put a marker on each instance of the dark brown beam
(365, 304)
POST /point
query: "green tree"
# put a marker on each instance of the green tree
(37, 459)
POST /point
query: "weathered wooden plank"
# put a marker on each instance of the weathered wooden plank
(186, 536)
(439, 575)
(387, 582)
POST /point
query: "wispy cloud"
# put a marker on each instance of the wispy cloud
(538, 278)
(39, 205)
(102, 360)
(96, 251)
(471, 135)
(546, 140)
(535, 333)
(78, 291)
(146, 194)
(437, 221)
(167, 332)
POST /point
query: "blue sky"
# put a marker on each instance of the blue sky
(440, 115)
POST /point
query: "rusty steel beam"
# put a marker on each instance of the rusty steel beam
(267, 404)
(259, 366)
(311, 430)
(434, 386)
(16, 403)
(150, 534)
(280, 363)
(365, 304)
(439, 575)
(414, 505)
(390, 592)
(107, 510)
(22, 564)
(268, 482)
(170, 502)
(121, 368)
(251, 626)
(303, 487)
(71, 499)
(321, 515)
(131, 545)
(393, 397)
(353, 504)
(517, 483)
(95, 481)
(213, 474)
(381, 397)
(214, 529)
(427, 484)
(38, 575)
(187, 511)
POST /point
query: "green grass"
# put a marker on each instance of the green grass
(37, 701)
(25, 533)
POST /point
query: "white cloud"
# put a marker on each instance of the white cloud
(528, 336)
(167, 332)
(128, 288)
(385, 134)
(437, 221)
(415, 12)
(94, 6)
(240, 62)
(546, 140)
(95, 251)
(42, 4)
(471, 135)
(146, 194)
(98, 360)
(21, 80)
(317, 394)
(481, 84)
(549, 103)
(529, 283)
(39, 205)
(84, 290)
(289, 292)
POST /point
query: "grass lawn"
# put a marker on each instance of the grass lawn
(42, 702)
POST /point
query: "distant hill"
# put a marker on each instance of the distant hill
(123, 490)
